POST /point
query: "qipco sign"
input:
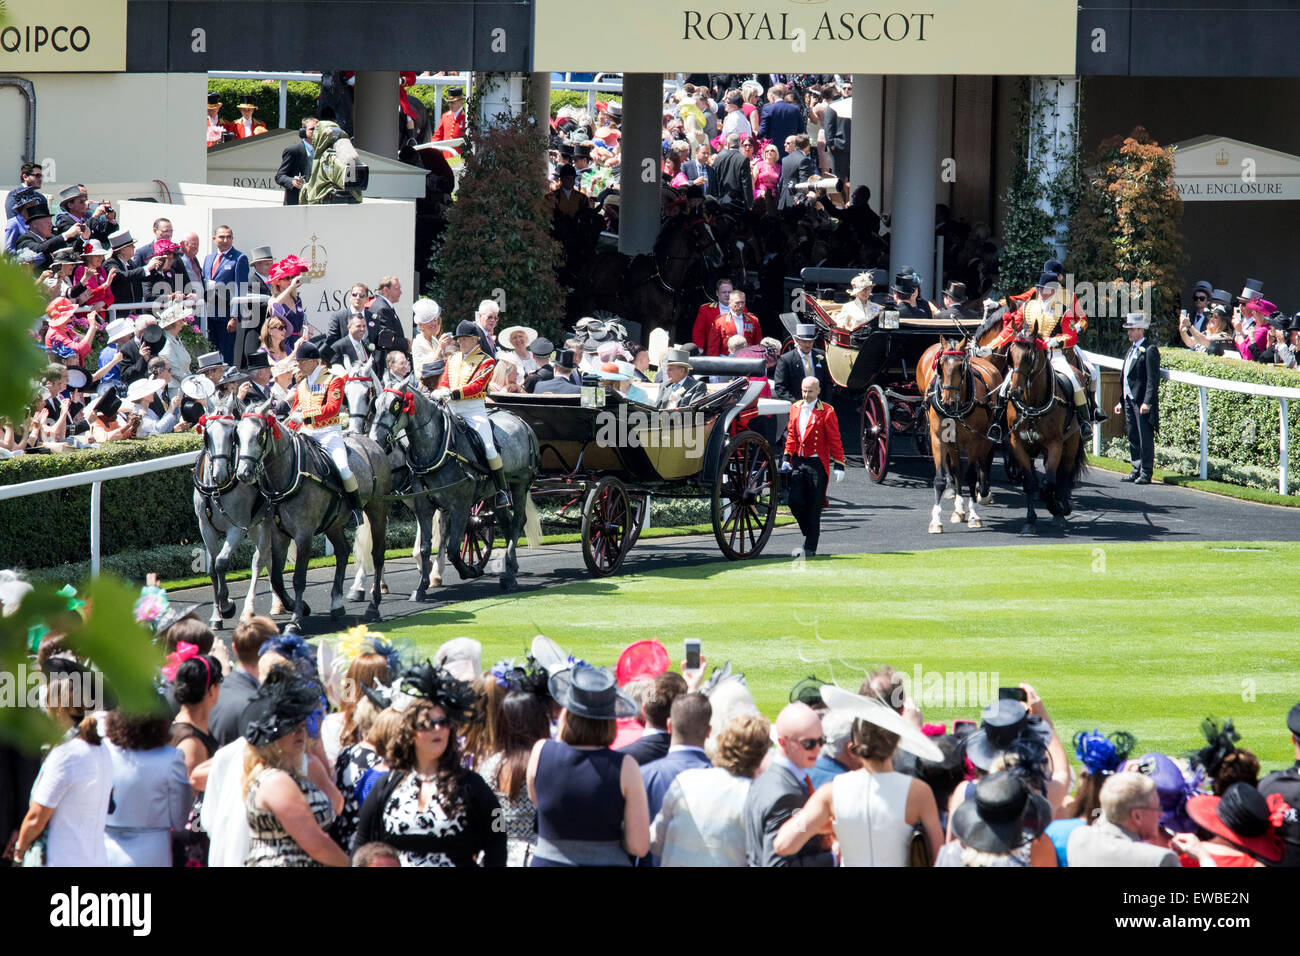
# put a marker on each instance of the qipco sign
(46, 36)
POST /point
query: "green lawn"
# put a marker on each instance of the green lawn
(1148, 638)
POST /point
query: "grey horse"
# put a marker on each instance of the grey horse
(226, 508)
(447, 463)
(300, 506)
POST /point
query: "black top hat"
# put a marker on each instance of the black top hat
(214, 99)
(1001, 724)
(956, 290)
(258, 360)
(567, 172)
(565, 358)
(68, 194)
(39, 211)
(191, 410)
(582, 152)
(152, 336)
(542, 348)
(455, 92)
(466, 329)
(1003, 814)
(904, 284)
(307, 350)
(590, 692)
(77, 376)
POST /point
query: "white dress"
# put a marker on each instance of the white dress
(871, 818)
(76, 780)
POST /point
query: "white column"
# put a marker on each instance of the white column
(643, 96)
(866, 157)
(539, 88)
(1053, 135)
(916, 163)
(374, 112)
(499, 93)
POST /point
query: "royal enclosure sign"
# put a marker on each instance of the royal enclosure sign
(62, 36)
(1036, 37)
(1219, 169)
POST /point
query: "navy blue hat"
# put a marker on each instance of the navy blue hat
(1001, 724)
(465, 328)
(542, 348)
(1054, 267)
(1048, 278)
(307, 350)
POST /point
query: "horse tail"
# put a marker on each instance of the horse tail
(1080, 463)
(532, 523)
(361, 545)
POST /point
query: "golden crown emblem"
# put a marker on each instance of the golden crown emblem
(1221, 158)
(315, 255)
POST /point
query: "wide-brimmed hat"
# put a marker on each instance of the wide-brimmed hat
(1261, 305)
(120, 329)
(287, 268)
(590, 692)
(1001, 815)
(861, 282)
(198, 387)
(26, 196)
(1137, 320)
(143, 388)
(247, 106)
(910, 737)
(1001, 725)
(165, 247)
(425, 311)
(68, 194)
(60, 312)
(1173, 787)
(1245, 817)
(77, 376)
(176, 312)
(504, 335)
(642, 660)
(676, 357)
(67, 256)
(211, 360)
(283, 367)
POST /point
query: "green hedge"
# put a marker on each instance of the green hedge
(578, 98)
(142, 512)
(1243, 429)
(265, 95)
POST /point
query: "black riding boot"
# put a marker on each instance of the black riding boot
(1085, 421)
(502, 499)
(354, 503)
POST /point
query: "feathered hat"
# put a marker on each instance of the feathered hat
(283, 701)
(1101, 754)
(435, 684)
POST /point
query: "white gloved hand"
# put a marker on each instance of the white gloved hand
(442, 394)
(838, 473)
(981, 351)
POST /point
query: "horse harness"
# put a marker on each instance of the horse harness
(276, 498)
(406, 405)
(1033, 413)
(211, 492)
(959, 414)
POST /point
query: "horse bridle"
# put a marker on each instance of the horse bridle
(938, 388)
(1013, 393)
(214, 489)
(270, 426)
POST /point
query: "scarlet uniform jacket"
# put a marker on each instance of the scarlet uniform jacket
(468, 375)
(1074, 322)
(704, 318)
(820, 439)
(320, 403)
(450, 126)
(725, 326)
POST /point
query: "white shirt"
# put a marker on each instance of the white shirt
(804, 415)
(76, 780)
(736, 122)
(1129, 360)
(223, 816)
(702, 821)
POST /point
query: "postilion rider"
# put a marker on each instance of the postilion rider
(317, 402)
(463, 386)
(1045, 314)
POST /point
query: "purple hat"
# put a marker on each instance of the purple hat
(1174, 790)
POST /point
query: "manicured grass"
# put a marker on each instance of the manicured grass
(1241, 492)
(1148, 638)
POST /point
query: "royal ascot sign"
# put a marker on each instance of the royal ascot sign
(62, 36)
(808, 36)
(1218, 169)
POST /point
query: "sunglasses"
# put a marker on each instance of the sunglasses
(812, 743)
(433, 723)
(1200, 296)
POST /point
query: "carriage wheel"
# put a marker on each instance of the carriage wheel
(875, 433)
(745, 495)
(640, 509)
(607, 522)
(480, 532)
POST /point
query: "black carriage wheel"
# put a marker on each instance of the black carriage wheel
(875, 433)
(480, 532)
(606, 525)
(640, 510)
(745, 495)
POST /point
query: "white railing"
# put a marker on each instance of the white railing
(96, 478)
(1202, 384)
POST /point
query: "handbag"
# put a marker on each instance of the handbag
(918, 848)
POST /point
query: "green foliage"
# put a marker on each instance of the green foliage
(578, 98)
(300, 101)
(20, 305)
(498, 239)
(1025, 223)
(1128, 228)
(145, 511)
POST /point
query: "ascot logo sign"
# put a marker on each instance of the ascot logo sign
(45, 36)
(870, 26)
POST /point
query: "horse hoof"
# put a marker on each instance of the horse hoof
(356, 595)
(986, 499)
(435, 581)
(371, 615)
(936, 527)
(958, 517)
(383, 587)
(471, 572)
(950, 493)
(228, 610)
(508, 584)
(419, 594)
(974, 522)
(215, 623)
(277, 607)
(1029, 530)
(293, 627)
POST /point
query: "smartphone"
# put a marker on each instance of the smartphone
(692, 654)
(1012, 693)
(961, 728)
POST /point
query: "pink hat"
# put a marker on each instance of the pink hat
(644, 660)
(1262, 306)
(162, 247)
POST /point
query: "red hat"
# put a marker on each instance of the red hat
(602, 106)
(60, 311)
(288, 267)
(1244, 817)
(644, 660)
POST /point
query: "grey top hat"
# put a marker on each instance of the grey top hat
(806, 331)
(1254, 289)
(261, 254)
(676, 357)
(1222, 296)
(211, 360)
(590, 692)
(70, 193)
(1137, 320)
(121, 238)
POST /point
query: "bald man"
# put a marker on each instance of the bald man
(777, 794)
(814, 454)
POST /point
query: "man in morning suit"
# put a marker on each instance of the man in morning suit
(226, 272)
(679, 388)
(355, 307)
(780, 119)
(778, 794)
(385, 329)
(813, 453)
(1141, 403)
(734, 184)
(295, 163)
(656, 710)
(352, 349)
(565, 378)
(797, 167)
(800, 362)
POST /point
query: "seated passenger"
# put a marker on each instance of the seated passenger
(859, 310)
(680, 387)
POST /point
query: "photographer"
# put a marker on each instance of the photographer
(332, 156)
(1283, 334)
(1216, 336)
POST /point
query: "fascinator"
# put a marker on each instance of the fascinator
(1101, 754)
(529, 677)
(435, 684)
(1220, 741)
(282, 702)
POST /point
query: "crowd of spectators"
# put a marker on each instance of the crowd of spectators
(1247, 326)
(354, 750)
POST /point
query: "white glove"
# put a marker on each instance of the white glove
(442, 394)
(981, 351)
(786, 467)
(838, 473)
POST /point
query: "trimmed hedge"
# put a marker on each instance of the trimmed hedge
(143, 512)
(1243, 429)
(265, 95)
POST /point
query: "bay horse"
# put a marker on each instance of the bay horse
(226, 508)
(300, 504)
(957, 390)
(1041, 424)
(446, 463)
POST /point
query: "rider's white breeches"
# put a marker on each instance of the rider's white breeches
(475, 414)
(331, 439)
(1059, 364)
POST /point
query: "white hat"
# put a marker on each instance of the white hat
(120, 329)
(198, 387)
(504, 335)
(1137, 320)
(93, 248)
(143, 388)
(910, 737)
(176, 312)
(462, 657)
(425, 311)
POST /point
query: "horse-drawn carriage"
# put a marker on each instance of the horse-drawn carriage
(604, 456)
(878, 360)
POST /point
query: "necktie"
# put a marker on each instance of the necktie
(216, 263)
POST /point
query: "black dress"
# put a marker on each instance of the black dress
(435, 835)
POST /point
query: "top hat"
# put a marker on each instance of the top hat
(258, 360)
(120, 238)
(247, 106)
(466, 329)
(1001, 725)
(1137, 320)
(214, 99)
(210, 360)
(1203, 286)
(1254, 289)
(565, 358)
(261, 254)
(109, 403)
(153, 336)
(1242, 816)
(39, 211)
(455, 92)
(616, 109)
(806, 331)
(956, 290)
(590, 692)
(1002, 815)
(676, 357)
(68, 194)
(77, 377)
(904, 284)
